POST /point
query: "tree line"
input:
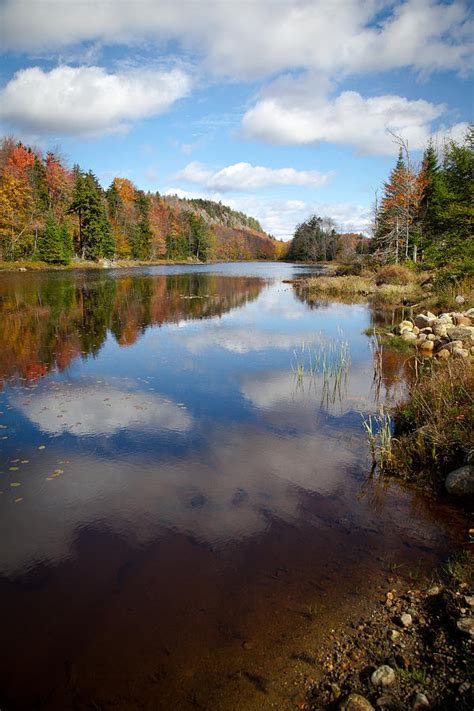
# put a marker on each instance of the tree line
(52, 213)
(316, 240)
(425, 215)
(426, 211)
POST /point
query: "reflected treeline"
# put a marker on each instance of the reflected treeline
(47, 321)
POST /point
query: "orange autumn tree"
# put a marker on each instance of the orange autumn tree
(121, 198)
(397, 218)
(17, 209)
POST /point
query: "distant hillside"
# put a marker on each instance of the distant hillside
(52, 213)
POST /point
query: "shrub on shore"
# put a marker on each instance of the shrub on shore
(433, 427)
(394, 274)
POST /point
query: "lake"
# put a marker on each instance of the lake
(186, 500)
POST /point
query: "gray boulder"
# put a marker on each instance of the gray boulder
(422, 321)
(460, 482)
(460, 333)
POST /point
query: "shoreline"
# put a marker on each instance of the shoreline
(28, 266)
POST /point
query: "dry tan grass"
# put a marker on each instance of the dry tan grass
(341, 285)
(364, 285)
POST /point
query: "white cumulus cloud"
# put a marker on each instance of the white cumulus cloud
(87, 100)
(244, 176)
(344, 36)
(290, 111)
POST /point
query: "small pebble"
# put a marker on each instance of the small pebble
(383, 676)
(420, 702)
(466, 626)
(406, 619)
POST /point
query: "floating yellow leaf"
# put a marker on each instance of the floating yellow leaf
(49, 478)
(25, 461)
(42, 446)
(20, 498)
(13, 469)
(59, 471)
(15, 483)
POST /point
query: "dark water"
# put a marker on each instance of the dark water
(173, 497)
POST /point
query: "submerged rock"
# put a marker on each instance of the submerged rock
(460, 482)
(356, 702)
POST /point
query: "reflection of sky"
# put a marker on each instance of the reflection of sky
(101, 409)
(199, 429)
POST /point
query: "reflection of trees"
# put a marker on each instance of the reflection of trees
(48, 320)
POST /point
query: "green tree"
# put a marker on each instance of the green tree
(95, 234)
(198, 236)
(314, 240)
(66, 242)
(433, 196)
(50, 242)
(455, 244)
(141, 239)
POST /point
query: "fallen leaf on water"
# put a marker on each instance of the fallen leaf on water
(15, 483)
(13, 469)
(42, 446)
(20, 498)
(59, 471)
(25, 461)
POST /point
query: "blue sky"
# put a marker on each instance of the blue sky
(279, 108)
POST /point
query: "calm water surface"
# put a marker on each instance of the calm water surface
(173, 497)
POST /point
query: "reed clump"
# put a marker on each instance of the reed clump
(329, 361)
(379, 430)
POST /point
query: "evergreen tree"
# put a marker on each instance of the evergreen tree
(40, 186)
(50, 244)
(314, 240)
(113, 200)
(433, 196)
(141, 240)
(455, 244)
(198, 236)
(95, 234)
(66, 242)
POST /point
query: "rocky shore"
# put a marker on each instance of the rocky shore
(450, 334)
(412, 651)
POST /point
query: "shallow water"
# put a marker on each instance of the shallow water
(174, 498)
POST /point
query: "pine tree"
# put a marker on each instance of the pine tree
(40, 186)
(455, 244)
(50, 243)
(433, 197)
(141, 240)
(95, 234)
(66, 243)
